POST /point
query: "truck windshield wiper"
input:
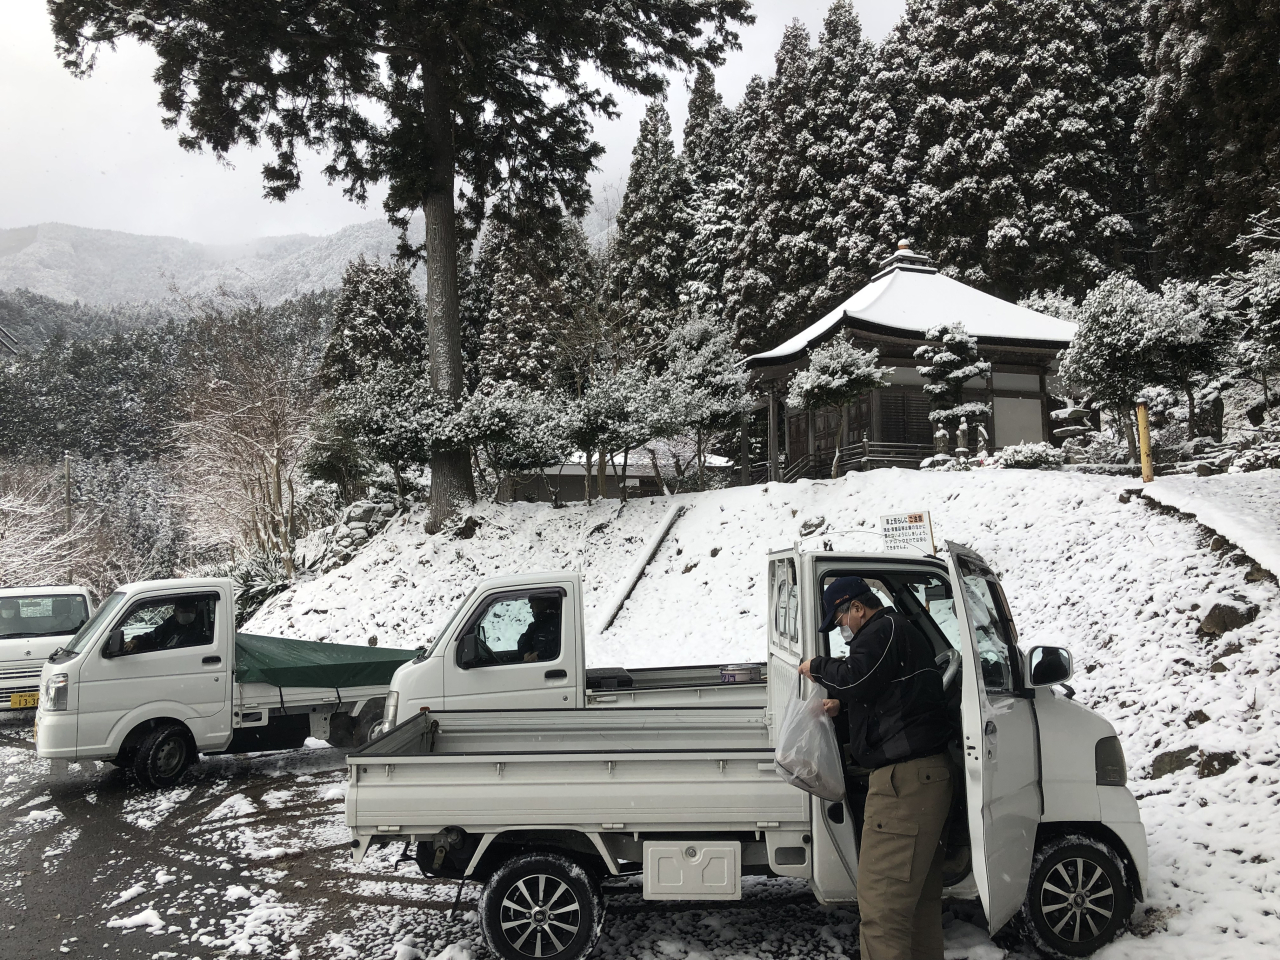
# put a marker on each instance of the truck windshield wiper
(24, 636)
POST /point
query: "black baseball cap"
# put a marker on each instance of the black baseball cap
(838, 593)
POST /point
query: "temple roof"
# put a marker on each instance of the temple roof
(908, 297)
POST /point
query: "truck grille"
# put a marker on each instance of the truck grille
(25, 671)
(23, 678)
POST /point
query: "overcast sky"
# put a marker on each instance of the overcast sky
(92, 152)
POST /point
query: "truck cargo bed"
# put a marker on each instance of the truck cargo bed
(631, 769)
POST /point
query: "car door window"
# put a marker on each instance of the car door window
(991, 629)
(169, 623)
(516, 630)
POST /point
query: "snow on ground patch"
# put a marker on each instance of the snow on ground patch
(234, 806)
(1243, 507)
(148, 810)
(147, 918)
(132, 893)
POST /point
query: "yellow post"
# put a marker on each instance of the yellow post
(1144, 444)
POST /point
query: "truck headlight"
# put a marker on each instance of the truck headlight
(1108, 760)
(54, 694)
(389, 709)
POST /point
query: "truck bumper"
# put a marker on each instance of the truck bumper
(1120, 813)
(56, 735)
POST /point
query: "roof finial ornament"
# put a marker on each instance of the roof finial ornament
(904, 258)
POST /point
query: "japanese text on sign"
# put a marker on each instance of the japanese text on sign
(907, 531)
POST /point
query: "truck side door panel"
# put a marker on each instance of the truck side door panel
(999, 734)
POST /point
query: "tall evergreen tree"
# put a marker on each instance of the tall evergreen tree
(1209, 133)
(413, 93)
(1014, 123)
(887, 154)
(776, 263)
(649, 250)
(710, 156)
(838, 221)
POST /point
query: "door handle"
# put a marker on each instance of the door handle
(556, 674)
(211, 660)
(990, 728)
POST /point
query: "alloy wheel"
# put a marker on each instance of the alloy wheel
(1077, 900)
(540, 915)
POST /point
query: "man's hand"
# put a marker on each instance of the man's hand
(804, 670)
(531, 657)
(831, 707)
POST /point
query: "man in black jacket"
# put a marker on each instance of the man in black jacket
(891, 691)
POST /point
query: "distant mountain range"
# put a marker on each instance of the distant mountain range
(105, 267)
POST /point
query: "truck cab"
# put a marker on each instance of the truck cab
(159, 675)
(35, 621)
(518, 643)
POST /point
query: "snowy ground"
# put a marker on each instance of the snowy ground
(1122, 584)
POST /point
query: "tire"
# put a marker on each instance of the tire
(1078, 900)
(342, 730)
(541, 905)
(163, 756)
(368, 719)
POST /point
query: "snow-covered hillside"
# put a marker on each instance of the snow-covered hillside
(104, 267)
(1122, 584)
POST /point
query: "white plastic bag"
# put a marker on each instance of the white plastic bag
(807, 754)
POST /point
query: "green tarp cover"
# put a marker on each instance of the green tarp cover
(306, 663)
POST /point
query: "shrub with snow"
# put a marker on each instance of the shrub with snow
(1031, 456)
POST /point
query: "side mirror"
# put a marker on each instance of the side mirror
(468, 652)
(1048, 665)
(114, 645)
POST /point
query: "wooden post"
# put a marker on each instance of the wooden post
(811, 426)
(746, 449)
(1144, 444)
(66, 476)
(773, 437)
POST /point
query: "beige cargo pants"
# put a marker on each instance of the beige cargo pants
(900, 863)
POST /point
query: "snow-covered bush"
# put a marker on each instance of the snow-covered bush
(838, 374)
(1031, 456)
(947, 362)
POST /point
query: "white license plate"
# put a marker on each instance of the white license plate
(23, 701)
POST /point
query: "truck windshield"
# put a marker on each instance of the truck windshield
(82, 635)
(51, 615)
(430, 647)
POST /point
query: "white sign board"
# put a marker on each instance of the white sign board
(908, 531)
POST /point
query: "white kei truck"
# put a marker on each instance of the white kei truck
(35, 621)
(495, 766)
(159, 675)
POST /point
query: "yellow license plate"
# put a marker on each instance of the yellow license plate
(22, 701)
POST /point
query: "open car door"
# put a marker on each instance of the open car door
(1001, 750)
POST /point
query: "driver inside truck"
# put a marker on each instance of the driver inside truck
(184, 627)
(890, 689)
(541, 639)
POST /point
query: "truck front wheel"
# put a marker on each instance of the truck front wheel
(541, 905)
(1077, 900)
(163, 755)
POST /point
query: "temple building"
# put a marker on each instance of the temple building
(890, 427)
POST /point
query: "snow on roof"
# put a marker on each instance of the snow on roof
(909, 300)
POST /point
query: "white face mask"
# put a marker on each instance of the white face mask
(846, 633)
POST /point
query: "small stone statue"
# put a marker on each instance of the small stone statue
(941, 442)
(983, 440)
(962, 439)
